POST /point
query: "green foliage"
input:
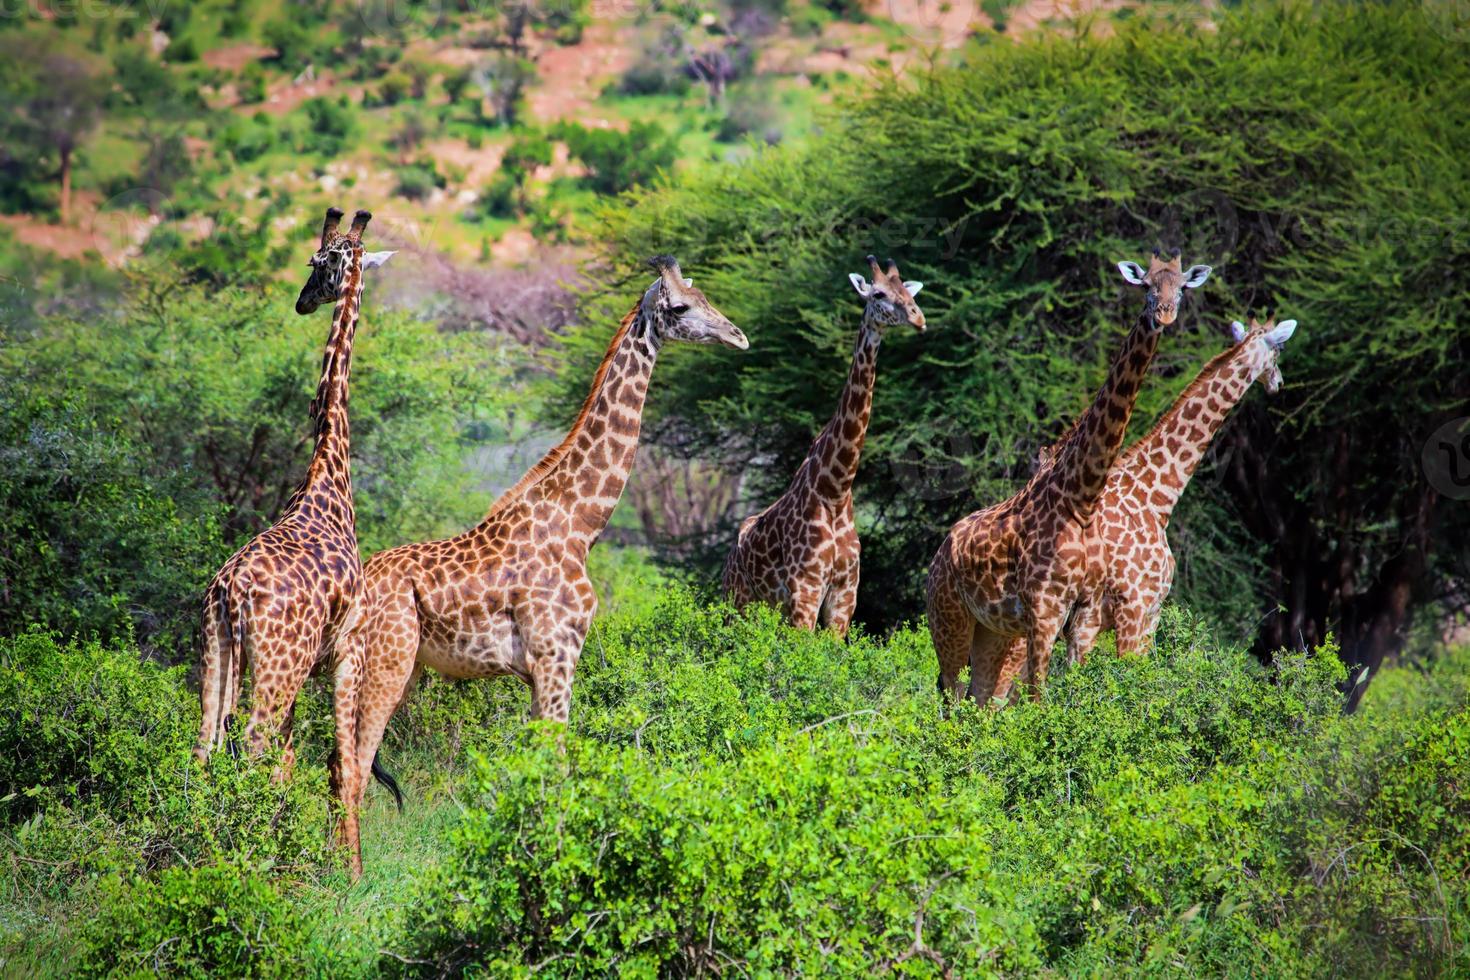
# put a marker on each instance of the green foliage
(54, 94)
(98, 768)
(83, 723)
(247, 139)
(684, 679)
(295, 43)
(219, 920)
(93, 537)
(720, 800)
(738, 794)
(419, 180)
(589, 860)
(394, 88)
(327, 126)
(1012, 185)
(618, 161)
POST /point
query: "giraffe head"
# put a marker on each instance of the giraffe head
(1165, 283)
(329, 264)
(676, 310)
(1265, 342)
(890, 299)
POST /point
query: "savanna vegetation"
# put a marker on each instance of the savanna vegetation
(732, 796)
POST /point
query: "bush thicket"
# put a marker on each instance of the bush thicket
(1185, 812)
(736, 794)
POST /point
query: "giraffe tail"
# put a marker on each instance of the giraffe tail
(386, 778)
(232, 610)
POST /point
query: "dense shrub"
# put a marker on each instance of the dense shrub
(92, 537)
(683, 678)
(800, 858)
(1185, 812)
(219, 920)
(96, 760)
(617, 161)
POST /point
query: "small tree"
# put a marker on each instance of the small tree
(53, 100)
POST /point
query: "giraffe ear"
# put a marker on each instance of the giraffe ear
(1132, 272)
(1237, 331)
(860, 284)
(1277, 338)
(688, 283)
(1195, 276)
(371, 260)
(913, 287)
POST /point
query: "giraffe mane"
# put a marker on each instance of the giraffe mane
(1205, 376)
(557, 452)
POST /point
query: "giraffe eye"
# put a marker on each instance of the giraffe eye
(680, 309)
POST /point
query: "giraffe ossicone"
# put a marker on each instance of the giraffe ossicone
(802, 552)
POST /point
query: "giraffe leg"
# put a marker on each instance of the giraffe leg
(288, 743)
(346, 777)
(841, 600)
(732, 581)
(1082, 630)
(993, 664)
(1039, 641)
(1011, 668)
(552, 661)
(391, 669)
(952, 629)
(278, 679)
(804, 603)
(1135, 627)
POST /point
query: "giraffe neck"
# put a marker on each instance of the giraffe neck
(831, 464)
(585, 475)
(329, 478)
(1161, 463)
(1089, 451)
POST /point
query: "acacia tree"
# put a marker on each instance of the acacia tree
(1010, 186)
(53, 101)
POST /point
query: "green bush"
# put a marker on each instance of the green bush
(218, 920)
(419, 181)
(92, 537)
(85, 723)
(96, 751)
(683, 678)
(1181, 813)
(800, 858)
(327, 126)
(618, 161)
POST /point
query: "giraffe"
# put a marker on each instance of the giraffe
(1016, 568)
(511, 595)
(278, 603)
(801, 552)
(1129, 579)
